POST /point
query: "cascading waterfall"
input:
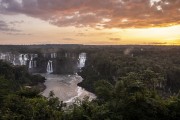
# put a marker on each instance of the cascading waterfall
(8, 57)
(53, 55)
(21, 59)
(31, 62)
(82, 60)
(26, 57)
(3, 56)
(24, 62)
(35, 55)
(14, 60)
(49, 67)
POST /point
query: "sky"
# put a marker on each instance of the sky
(90, 22)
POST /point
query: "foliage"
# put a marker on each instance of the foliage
(141, 85)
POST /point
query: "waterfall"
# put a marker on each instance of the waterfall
(53, 55)
(26, 57)
(49, 67)
(8, 57)
(82, 60)
(30, 64)
(3, 56)
(31, 57)
(35, 55)
(21, 59)
(14, 60)
(14, 63)
(24, 62)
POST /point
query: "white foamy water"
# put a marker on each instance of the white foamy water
(65, 87)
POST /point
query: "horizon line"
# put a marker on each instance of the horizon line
(92, 44)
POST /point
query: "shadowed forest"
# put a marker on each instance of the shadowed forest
(130, 83)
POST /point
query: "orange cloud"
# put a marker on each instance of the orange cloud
(98, 13)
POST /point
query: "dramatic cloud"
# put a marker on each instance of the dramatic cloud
(98, 13)
(16, 22)
(5, 27)
(10, 28)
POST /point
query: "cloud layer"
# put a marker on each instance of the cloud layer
(98, 13)
(5, 27)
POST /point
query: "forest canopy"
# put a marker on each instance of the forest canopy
(131, 83)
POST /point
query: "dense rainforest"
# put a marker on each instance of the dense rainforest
(131, 83)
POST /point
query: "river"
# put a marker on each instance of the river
(65, 87)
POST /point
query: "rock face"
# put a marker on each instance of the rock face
(56, 63)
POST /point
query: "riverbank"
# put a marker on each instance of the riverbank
(41, 87)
